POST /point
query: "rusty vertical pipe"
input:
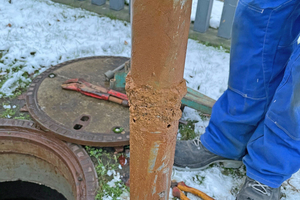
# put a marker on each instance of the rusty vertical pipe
(155, 87)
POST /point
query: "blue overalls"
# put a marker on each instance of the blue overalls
(257, 119)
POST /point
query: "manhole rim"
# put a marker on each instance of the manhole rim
(74, 156)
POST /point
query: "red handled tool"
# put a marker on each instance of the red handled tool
(96, 91)
(99, 92)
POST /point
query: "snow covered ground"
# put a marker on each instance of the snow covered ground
(36, 34)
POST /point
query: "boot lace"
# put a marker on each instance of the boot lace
(197, 142)
(260, 188)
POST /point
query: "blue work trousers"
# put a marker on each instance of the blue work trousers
(257, 119)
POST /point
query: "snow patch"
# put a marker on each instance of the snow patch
(6, 106)
(43, 33)
(216, 13)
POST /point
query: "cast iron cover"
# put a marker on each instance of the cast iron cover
(72, 116)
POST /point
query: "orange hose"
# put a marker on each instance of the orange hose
(177, 193)
(182, 186)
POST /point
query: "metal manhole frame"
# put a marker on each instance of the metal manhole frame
(47, 124)
(75, 157)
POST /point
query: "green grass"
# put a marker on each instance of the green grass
(217, 46)
(105, 161)
(3, 79)
(198, 179)
(187, 132)
(1, 55)
(23, 116)
(203, 117)
(18, 91)
(13, 113)
(8, 112)
(22, 86)
(111, 16)
(235, 172)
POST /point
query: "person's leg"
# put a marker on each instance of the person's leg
(274, 149)
(261, 39)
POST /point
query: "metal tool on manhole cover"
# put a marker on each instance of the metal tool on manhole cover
(74, 117)
(29, 155)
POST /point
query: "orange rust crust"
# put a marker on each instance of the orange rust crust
(154, 115)
(153, 106)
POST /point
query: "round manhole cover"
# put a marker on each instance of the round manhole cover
(29, 156)
(72, 116)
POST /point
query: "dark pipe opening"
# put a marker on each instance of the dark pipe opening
(85, 118)
(77, 127)
(20, 190)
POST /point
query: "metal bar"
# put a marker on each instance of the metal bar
(192, 99)
(198, 101)
(110, 73)
(203, 14)
(227, 18)
(155, 87)
(116, 4)
(129, 7)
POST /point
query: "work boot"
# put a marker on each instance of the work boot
(191, 155)
(254, 190)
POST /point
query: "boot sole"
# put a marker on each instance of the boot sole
(226, 163)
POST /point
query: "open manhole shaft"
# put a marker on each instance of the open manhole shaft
(28, 155)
